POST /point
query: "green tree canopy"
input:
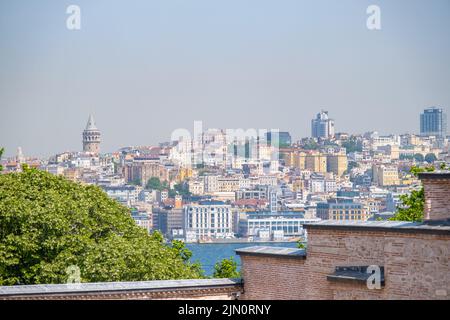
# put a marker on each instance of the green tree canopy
(181, 189)
(419, 157)
(412, 205)
(351, 165)
(1, 154)
(155, 184)
(227, 268)
(48, 223)
(352, 145)
(430, 158)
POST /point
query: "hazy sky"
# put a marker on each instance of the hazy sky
(144, 68)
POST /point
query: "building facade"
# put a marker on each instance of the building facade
(433, 122)
(322, 126)
(208, 220)
(342, 209)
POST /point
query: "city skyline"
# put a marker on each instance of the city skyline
(92, 123)
(148, 68)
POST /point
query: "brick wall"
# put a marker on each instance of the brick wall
(417, 266)
(276, 278)
(437, 195)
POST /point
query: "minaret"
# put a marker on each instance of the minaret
(91, 137)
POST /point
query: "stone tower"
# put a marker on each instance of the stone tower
(91, 137)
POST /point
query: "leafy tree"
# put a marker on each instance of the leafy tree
(155, 184)
(1, 154)
(301, 245)
(227, 268)
(352, 145)
(351, 165)
(136, 182)
(419, 157)
(412, 205)
(182, 188)
(406, 157)
(311, 144)
(48, 223)
(430, 158)
(180, 248)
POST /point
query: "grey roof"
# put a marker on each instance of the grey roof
(440, 174)
(115, 286)
(90, 126)
(441, 227)
(272, 251)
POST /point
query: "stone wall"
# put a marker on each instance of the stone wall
(195, 289)
(417, 266)
(437, 195)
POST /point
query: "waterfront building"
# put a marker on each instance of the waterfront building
(170, 221)
(274, 226)
(208, 220)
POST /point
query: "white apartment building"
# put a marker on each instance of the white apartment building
(284, 225)
(196, 187)
(208, 220)
(127, 195)
(211, 183)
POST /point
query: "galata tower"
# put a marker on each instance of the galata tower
(91, 137)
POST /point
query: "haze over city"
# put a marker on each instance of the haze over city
(146, 68)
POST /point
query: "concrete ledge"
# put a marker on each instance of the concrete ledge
(386, 226)
(434, 175)
(273, 252)
(116, 290)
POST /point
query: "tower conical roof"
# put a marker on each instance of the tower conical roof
(91, 124)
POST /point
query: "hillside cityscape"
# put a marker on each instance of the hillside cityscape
(226, 185)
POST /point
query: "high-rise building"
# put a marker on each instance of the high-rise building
(322, 126)
(91, 137)
(284, 139)
(433, 122)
